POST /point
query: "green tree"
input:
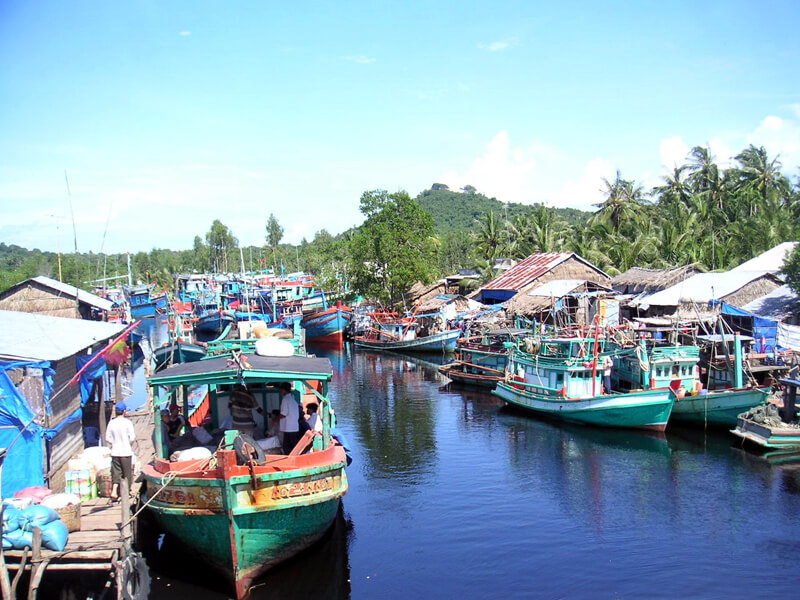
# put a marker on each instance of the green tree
(274, 236)
(221, 245)
(623, 203)
(791, 269)
(394, 247)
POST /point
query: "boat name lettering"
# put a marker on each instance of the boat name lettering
(181, 497)
(302, 488)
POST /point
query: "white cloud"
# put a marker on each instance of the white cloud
(185, 33)
(673, 152)
(360, 59)
(534, 173)
(722, 153)
(780, 137)
(587, 190)
(502, 171)
(494, 46)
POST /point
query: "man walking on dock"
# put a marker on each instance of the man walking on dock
(120, 436)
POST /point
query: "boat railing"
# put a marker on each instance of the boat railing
(547, 390)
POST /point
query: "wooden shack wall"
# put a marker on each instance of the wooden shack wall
(38, 300)
(69, 440)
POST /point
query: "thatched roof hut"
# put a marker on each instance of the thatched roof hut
(420, 292)
(44, 296)
(637, 280)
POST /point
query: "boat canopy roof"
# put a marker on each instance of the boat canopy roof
(227, 370)
(507, 331)
(728, 337)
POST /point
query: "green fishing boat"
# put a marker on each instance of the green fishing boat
(562, 378)
(242, 509)
(707, 380)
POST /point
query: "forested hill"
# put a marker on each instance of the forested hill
(461, 211)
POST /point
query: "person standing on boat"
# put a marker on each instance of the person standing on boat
(607, 364)
(290, 417)
(121, 437)
(242, 405)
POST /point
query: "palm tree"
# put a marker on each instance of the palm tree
(759, 178)
(676, 187)
(704, 177)
(492, 238)
(623, 202)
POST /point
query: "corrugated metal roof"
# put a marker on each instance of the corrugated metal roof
(70, 290)
(770, 261)
(40, 337)
(700, 288)
(557, 288)
(527, 271)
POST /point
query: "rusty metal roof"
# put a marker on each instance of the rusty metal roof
(528, 270)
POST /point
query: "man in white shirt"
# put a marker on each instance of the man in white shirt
(290, 417)
(121, 437)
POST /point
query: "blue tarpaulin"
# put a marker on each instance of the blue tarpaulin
(95, 371)
(762, 329)
(22, 466)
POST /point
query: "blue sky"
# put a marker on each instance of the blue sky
(168, 115)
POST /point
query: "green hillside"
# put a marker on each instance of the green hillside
(460, 211)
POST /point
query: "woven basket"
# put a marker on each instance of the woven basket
(104, 483)
(71, 516)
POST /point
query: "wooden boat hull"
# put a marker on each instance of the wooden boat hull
(327, 327)
(767, 436)
(177, 352)
(439, 342)
(214, 323)
(243, 526)
(720, 408)
(456, 373)
(476, 365)
(648, 409)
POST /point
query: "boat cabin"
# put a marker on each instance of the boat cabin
(560, 367)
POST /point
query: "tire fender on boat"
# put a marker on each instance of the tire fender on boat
(247, 450)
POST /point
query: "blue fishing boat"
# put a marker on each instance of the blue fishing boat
(327, 327)
(562, 378)
(143, 303)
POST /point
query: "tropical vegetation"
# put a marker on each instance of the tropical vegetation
(701, 214)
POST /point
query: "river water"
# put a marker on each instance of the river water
(452, 496)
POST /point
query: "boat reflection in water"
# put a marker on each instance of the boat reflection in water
(321, 571)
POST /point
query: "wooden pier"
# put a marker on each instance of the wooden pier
(104, 543)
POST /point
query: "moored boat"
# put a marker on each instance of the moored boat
(402, 334)
(143, 303)
(481, 360)
(242, 510)
(707, 380)
(561, 378)
(327, 327)
(768, 426)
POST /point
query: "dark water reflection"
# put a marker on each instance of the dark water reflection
(452, 496)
